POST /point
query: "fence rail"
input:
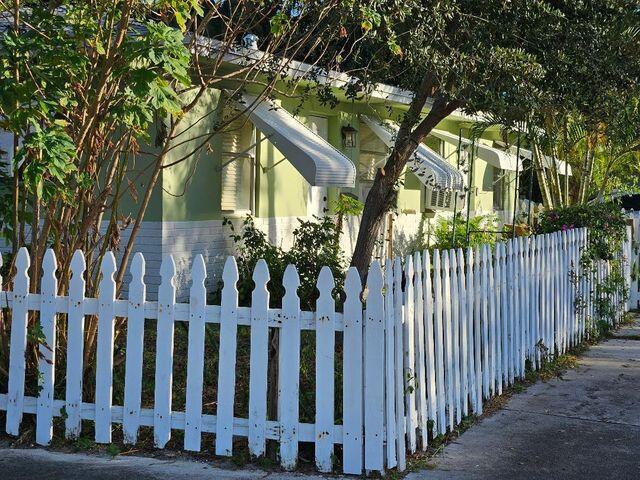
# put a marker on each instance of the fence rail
(434, 337)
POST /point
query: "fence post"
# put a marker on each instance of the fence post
(46, 362)
(353, 391)
(430, 356)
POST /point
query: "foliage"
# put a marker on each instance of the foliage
(605, 221)
(482, 230)
(607, 227)
(315, 245)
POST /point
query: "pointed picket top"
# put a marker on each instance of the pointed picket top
(485, 254)
(138, 267)
(397, 269)
(469, 256)
(290, 280)
(49, 266)
(325, 283)
(436, 259)
(198, 271)
(353, 282)
(78, 265)
(22, 269)
(230, 271)
(374, 279)
(417, 264)
(108, 268)
(261, 273)
(408, 267)
(454, 260)
(460, 255)
(426, 263)
(167, 269)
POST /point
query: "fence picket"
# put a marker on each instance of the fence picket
(409, 354)
(164, 353)
(491, 299)
(399, 365)
(470, 305)
(455, 335)
(46, 362)
(195, 356)
(289, 370)
(135, 345)
(429, 343)
(75, 346)
(104, 349)
(325, 348)
(420, 372)
(477, 332)
(227, 359)
(18, 343)
(373, 365)
(464, 333)
(390, 367)
(448, 337)
(259, 360)
(438, 308)
(512, 315)
(485, 322)
(352, 447)
(504, 317)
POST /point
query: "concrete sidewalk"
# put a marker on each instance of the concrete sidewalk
(583, 426)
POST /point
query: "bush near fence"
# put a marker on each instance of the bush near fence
(432, 340)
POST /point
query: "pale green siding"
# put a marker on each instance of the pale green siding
(191, 190)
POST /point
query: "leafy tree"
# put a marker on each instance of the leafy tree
(505, 59)
(82, 85)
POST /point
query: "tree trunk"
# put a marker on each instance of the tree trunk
(383, 194)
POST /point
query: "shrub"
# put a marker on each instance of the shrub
(482, 230)
(605, 221)
(315, 245)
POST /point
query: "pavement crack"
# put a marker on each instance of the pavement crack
(572, 417)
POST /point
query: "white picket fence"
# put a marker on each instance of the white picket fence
(433, 339)
(634, 259)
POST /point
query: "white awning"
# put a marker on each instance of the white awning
(493, 156)
(563, 167)
(430, 168)
(317, 160)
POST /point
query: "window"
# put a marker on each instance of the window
(373, 154)
(238, 166)
(6, 152)
(498, 188)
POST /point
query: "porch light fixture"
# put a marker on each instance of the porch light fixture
(349, 136)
